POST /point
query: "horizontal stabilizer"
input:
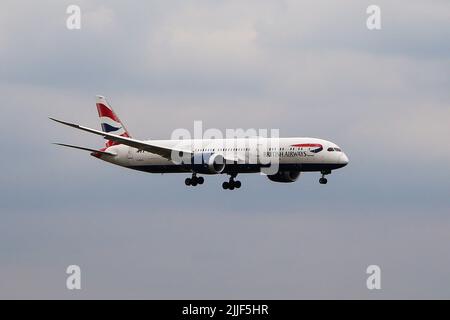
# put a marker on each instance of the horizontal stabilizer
(86, 149)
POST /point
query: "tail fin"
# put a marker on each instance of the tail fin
(110, 121)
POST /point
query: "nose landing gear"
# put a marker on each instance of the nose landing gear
(194, 180)
(324, 180)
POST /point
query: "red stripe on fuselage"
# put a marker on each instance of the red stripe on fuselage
(308, 145)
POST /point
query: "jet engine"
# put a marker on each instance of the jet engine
(285, 176)
(208, 163)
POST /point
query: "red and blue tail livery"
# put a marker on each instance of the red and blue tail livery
(109, 121)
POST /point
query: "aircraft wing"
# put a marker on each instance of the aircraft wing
(138, 144)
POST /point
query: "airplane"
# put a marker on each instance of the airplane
(211, 156)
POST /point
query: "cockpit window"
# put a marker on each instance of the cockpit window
(337, 149)
(330, 149)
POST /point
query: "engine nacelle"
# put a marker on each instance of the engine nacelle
(285, 176)
(208, 163)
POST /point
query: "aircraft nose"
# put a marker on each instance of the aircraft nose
(343, 159)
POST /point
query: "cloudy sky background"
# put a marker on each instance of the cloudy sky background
(309, 68)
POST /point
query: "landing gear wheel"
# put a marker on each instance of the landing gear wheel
(231, 184)
(194, 180)
(323, 180)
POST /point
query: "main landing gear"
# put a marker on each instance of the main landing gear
(231, 184)
(194, 180)
(324, 180)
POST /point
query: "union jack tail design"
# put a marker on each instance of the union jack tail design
(110, 121)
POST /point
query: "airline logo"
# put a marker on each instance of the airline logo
(316, 146)
(109, 121)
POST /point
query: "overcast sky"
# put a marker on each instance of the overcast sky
(308, 68)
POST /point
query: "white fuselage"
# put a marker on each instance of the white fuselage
(302, 154)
